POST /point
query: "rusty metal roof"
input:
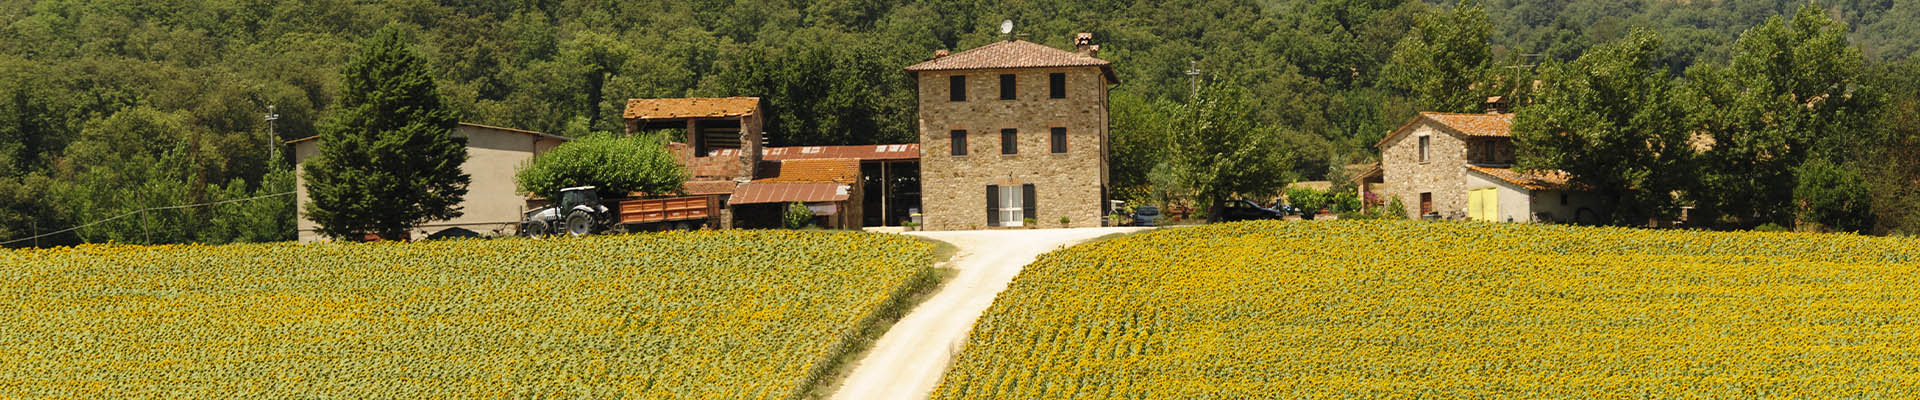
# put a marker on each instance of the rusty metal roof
(910, 151)
(1014, 54)
(692, 108)
(836, 170)
(785, 192)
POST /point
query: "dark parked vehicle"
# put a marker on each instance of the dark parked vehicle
(1285, 209)
(1146, 216)
(1242, 210)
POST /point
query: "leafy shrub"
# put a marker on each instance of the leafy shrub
(1834, 197)
(616, 165)
(1309, 201)
(1341, 202)
(798, 215)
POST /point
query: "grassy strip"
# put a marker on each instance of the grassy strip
(828, 376)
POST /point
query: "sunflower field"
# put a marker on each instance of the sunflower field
(1407, 309)
(716, 314)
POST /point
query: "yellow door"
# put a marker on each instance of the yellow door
(1473, 205)
(1492, 202)
(1483, 204)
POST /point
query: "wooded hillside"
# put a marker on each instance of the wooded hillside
(108, 106)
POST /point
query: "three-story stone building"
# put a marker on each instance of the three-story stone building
(1014, 131)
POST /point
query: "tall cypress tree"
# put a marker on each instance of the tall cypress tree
(387, 162)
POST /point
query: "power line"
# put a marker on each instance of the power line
(141, 211)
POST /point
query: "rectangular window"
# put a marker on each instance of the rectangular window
(1013, 210)
(1007, 87)
(1009, 141)
(1059, 140)
(1425, 143)
(959, 143)
(957, 87)
(1057, 85)
(1563, 198)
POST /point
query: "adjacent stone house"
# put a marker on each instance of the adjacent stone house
(1011, 131)
(1459, 166)
(493, 205)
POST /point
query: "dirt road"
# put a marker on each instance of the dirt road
(909, 359)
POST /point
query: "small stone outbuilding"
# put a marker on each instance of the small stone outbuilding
(1459, 166)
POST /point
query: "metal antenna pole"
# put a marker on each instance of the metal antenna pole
(1193, 75)
(272, 148)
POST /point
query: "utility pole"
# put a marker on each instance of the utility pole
(1193, 75)
(273, 147)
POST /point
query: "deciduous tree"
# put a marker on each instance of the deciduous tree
(1220, 151)
(1610, 120)
(1442, 62)
(1790, 95)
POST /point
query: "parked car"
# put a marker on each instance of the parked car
(1242, 210)
(1146, 216)
(1284, 209)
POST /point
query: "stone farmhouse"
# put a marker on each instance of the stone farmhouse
(1459, 166)
(1012, 131)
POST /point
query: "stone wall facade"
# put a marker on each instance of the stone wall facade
(1071, 184)
(1443, 174)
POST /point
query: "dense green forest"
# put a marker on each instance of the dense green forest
(108, 106)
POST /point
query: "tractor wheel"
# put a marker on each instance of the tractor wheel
(534, 229)
(579, 223)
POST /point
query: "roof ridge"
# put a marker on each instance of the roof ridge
(1467, 114)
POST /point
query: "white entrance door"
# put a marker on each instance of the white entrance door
(1012, 212)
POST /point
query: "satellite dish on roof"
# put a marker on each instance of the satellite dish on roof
(1006, 27)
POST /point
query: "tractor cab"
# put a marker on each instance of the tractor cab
(579, 196)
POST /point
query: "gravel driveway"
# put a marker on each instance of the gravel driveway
(909, 359)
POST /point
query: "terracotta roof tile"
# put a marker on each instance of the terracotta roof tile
(910, 151)
(1014, 54)
(725, 107)
(1537, 180)
(1476, 125)
(836, 170)
(1484, 125)
(782, 192)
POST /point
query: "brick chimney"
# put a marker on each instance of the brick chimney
(1083, 44)
(939, 53)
